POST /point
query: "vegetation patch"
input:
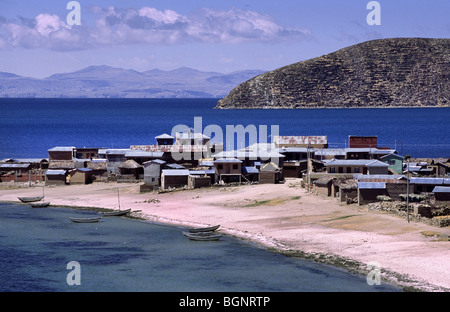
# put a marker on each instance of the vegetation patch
(340, 218)
(271, 202)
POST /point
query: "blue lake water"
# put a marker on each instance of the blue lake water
(119, 254)
(29, 127)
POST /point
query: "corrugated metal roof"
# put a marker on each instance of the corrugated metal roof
(426, 181)
(250, 170)
(30, 160)
(175, 172)
(84, 169)
(14, 166)
(158, 161)
(62, 149)
(227, 160)
(175, 166)
(249, 154)
(356, 162)
(55, 172)
(441, 189)
(164, 136)
(199, 172)
(446, 181)
(117, 151)
(362, 177)
(295, 139)
(294, 150)
(371, 185)
(207, 163)
(191, 135)
(377, 163)
(98, 160)
(137, 153)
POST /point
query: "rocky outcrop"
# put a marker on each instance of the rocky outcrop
(399, 72)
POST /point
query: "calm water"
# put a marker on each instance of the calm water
(118, 254)
(29, 127)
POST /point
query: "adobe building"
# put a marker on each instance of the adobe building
(228, 170)
(355, 141)
(81, 176)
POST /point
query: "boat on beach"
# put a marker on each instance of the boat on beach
(203, 236)
(116, 213)
(85, 220)
(40, 205)
(31, 199)
(205, 229)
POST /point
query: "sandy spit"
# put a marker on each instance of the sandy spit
(283, 218)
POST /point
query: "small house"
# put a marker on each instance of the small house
(174, 178)
(164, 139)
(62, 153)
(152, 171)
(426, 185)
(251, 174)
(395, 163)
(130, 170)
(56, 177)
(198, 179)
(228, 170)
(143, 156)
(368, 191)
(270, 173)
(98, 167)
(323, 185)
(442, 194)
(80, 176)
(364, 166)
(438, 169)
(115, 158)
(86, 152)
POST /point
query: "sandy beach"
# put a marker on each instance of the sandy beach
(283, 217)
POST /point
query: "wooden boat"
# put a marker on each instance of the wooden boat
(202, 236)
(206, 229)
(85, 220)
(116, 213)
(31, 199)
(40, 205)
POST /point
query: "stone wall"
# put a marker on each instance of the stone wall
(419, 212)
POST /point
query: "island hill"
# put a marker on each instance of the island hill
(399, 72)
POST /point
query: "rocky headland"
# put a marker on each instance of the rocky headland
(397, 72)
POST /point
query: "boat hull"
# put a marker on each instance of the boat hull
(40, 205)
(85, 220)
(30, 199)
(204, 236)
(206, 229)
(116, 213)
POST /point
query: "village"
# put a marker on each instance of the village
(362, 173)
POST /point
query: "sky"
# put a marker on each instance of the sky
(37, 39)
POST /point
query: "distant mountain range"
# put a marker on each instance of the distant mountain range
(110, 82)
(396, 72)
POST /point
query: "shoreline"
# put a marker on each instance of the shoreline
(283, 218)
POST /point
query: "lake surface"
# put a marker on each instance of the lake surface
(29, 127)
(119, 254)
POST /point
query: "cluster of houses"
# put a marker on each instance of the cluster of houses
(360, 172)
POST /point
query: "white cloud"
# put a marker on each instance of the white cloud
(117, 26)
(46, 24)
